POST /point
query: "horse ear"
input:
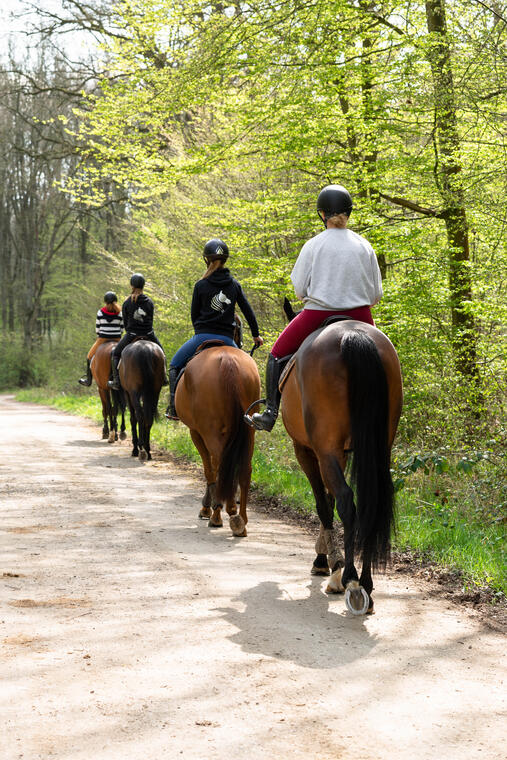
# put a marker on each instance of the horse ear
(289, 311)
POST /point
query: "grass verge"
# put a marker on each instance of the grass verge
(438, 532)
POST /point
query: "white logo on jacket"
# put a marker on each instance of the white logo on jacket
(218, 301)
(139, 314)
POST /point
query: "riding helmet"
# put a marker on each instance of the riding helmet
(110, 297)
(334, 199)
(137, 280)
(215, 249)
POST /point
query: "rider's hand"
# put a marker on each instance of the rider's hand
(258, 341)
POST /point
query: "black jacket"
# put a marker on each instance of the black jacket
(213, 303)
(138, 315)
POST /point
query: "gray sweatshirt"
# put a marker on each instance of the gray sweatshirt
(337, 269)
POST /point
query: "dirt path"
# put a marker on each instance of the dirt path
(130, 631)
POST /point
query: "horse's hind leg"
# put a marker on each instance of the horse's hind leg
(326, 544)
(133, 425)
(238, 522)
(357, 598)
(209, 501)
(104, 397)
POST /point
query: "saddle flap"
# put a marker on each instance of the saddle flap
(286, 372)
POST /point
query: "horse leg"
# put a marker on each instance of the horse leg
(112, 421)
(114, 416)
(366, 580)
(324, 503)
(123, 405)
(133, 425)
(104, 399)
(209, 502)
(238, 522)
(356, 598)
(147, 433)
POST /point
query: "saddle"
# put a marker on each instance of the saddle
(290, 364)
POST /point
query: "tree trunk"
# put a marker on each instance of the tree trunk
(450, 185)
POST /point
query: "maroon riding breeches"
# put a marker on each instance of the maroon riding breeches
(309, 320)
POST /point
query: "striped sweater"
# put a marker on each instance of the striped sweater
(108, 324)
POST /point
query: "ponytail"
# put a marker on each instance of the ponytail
(213, 265)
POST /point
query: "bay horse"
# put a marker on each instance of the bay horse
(141, 372)
(343, 399)
(219, 382)
(113, 402)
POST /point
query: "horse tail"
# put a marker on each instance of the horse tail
(235, 456)
(149, 397)
(370, 472)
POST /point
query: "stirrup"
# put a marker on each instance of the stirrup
(248, 417)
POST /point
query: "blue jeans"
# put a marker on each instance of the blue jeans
(189, 348)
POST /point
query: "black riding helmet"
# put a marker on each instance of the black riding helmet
(334, 199)
(137, 280)
(215, 249)
(110, 297)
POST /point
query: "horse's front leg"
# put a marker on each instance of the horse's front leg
(366, 581)
(209, 501)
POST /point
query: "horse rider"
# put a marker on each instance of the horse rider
(212, 312)
(336, 272)
(108, 326)
(137, 312)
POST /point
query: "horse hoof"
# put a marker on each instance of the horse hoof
(335, 585)
(111, 438)
(205, 513)
(123, 435)
(215, 524)
(320, 570)
(356, 599)
(105, 436)
(135, 452)
(143, 456)
(237, 525)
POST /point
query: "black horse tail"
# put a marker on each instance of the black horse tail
(369, 420)
(235, 457)
(148, 396)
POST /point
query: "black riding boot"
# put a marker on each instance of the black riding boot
(115, 382)
(170, 412)
(86, 379)
(267, 419)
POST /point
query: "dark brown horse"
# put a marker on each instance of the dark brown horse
(141, 373)
(218, 384)
(113, 402)
(343, 397)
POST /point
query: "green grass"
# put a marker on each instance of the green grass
(442, 532)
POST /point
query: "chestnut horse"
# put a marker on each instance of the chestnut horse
(217, 385)
(141, 372)
(344, 396)
(113, 401)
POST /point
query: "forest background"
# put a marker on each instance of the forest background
(131, 132)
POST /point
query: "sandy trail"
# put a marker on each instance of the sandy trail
(129, 630)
